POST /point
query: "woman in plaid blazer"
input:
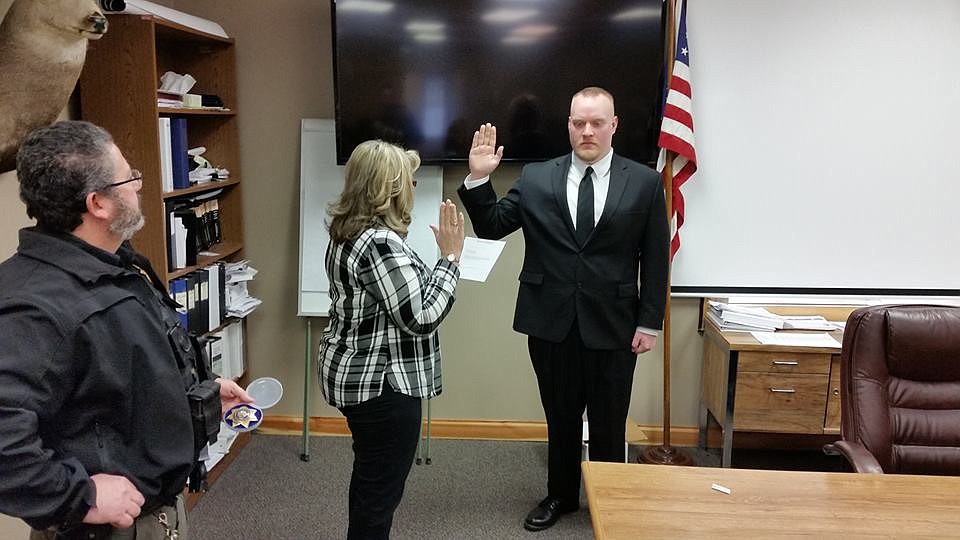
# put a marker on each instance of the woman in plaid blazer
(380, 353)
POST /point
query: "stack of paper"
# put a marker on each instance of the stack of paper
(202, 175)
(217, 450)
(808, 322)
(743, 318)
(169, 100)
(239, 302)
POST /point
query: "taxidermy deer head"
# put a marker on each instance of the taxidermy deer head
(42, 47)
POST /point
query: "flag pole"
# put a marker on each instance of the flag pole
(666, 454)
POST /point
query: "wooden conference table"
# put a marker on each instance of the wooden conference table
(657, 501)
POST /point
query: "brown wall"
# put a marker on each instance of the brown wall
(285, 74)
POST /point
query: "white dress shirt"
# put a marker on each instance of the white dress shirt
(601, 184)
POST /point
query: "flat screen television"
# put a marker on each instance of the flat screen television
(426, 73)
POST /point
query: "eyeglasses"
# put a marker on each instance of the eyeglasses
(136, 175)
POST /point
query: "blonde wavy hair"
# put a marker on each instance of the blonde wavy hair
(377, 191)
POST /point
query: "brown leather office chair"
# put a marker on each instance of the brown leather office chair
(900, 390)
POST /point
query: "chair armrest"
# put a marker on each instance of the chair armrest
(859, 457)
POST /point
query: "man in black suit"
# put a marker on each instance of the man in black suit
(593, 223)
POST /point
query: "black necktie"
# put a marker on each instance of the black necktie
(585, 207)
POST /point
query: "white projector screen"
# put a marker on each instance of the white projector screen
(827, 140)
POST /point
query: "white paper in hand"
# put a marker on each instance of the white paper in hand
(478, 257)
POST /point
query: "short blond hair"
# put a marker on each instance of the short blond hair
(377, 191)
(593, 91)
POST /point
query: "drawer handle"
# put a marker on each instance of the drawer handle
(786, 363)
(783, 390)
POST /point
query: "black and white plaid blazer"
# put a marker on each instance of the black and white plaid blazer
(385, 307)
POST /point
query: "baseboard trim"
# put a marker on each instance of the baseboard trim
(501, 430)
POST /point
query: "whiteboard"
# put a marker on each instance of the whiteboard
(827, 135)
(321, 181)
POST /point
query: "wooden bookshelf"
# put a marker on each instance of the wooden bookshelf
(118, 90)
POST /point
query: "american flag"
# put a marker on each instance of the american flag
(676, 130)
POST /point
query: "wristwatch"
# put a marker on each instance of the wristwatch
(452, 258)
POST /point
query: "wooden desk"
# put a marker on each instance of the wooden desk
(657, 501)
(748, 386)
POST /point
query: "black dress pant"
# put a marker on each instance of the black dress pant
(385, 431)
(571, 378)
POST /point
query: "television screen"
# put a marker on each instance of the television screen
(426, 73)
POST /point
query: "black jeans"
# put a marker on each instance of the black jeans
(572, 378)
(385, 431)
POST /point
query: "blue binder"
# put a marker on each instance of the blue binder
(178, 149)
(178, 288)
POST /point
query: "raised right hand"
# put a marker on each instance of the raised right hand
(118, 501)
(484, 154)
(449, 232)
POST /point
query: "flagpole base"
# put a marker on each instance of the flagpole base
(665, 455)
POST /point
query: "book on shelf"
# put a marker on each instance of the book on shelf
(169, 100)
(193, 303)
(178, 151)
(203, 301)
(227, 358)
(182, 230)
(202, 297)
(216, 311)
(178, 289)
(213, 210)
(166, 155)
(193, 226)
(208, 216)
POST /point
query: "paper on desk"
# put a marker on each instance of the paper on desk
(796, 340)
(808, 322)
(478, 257)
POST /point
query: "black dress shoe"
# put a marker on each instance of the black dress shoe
(545, 514)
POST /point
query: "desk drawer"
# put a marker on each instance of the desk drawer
(781, 403)
(784, 362)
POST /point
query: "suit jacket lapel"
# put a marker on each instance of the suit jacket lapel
(618, 183)
(558, 180)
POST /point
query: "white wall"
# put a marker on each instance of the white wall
(825, 135)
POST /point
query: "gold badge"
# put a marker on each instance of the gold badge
(243, 417)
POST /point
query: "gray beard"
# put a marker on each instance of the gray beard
(128, 222)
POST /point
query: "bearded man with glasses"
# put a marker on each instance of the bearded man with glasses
(96, 434)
